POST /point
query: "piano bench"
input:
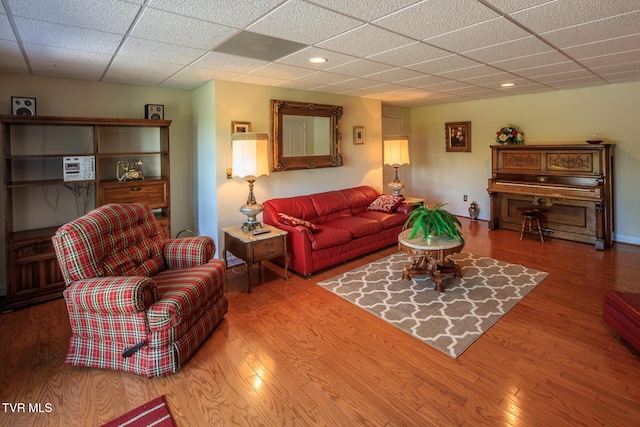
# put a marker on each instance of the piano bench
(622, 312)
(528, 217)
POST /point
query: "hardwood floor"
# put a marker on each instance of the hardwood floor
(292, 353)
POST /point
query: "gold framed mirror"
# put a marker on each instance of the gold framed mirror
(305, 135)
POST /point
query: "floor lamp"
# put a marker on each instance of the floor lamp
(396, 153)
(250, 161)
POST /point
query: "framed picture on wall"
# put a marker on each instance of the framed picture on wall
(240, 127)
(358, 135)
(458, 136)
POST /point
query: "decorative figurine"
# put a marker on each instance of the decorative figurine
(473, 211)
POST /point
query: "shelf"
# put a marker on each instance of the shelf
(79, 121)
(37, 183)
(37, 204)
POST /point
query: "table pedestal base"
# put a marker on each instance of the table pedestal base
(421, 265)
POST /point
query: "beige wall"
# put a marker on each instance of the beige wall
(69, 97)
(569, 116)
(251, 103)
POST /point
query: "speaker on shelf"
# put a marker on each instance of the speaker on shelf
(22, 106)
(154, 112)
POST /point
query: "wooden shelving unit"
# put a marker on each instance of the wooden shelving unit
(37, 199)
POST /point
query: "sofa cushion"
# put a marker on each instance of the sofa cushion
(360, 198)
(293, 221)
(329, 237)
(330, 205)
(388, 220)
(358, 226)
(386, 203)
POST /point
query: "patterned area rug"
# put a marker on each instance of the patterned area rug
(449, 321)
(153, 413)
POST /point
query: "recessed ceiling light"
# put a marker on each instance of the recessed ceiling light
(317, 60)
(507, 84)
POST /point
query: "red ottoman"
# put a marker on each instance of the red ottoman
(622, 312)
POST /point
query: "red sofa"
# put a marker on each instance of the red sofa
(346, 227)
(622, 312)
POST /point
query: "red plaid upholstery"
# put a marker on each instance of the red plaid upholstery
(126, 284)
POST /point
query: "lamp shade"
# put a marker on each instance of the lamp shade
(396, 150)
(250, 154)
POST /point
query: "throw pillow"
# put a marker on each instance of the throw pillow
(386, 203)
(293, 221)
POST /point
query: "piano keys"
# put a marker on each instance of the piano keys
(571, 185)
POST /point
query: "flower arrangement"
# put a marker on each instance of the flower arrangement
(509, 135)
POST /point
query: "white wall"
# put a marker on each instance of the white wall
(569, 116)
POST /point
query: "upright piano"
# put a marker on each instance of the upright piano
(570, 185)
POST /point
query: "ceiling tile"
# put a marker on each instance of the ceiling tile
(617, 68)
(125, 64)
(494, 80)
(60, 56)
(531, 61)
(57, 35)
(547, 70)
(613, 59)
(509, 6)
(556, 15)
(162, 52)
(323, 78)
(357, 84)
(230, 63)
(236, 13)
(192, 77)
(395, 75)
(619, 26)
(66, 70)
(110, 16)
(559, 77)
(576, 83)
(488, 33)
(280, 71)
(436, 17)
(409, 54)
(509, 50)
(605, 47)
(360, 67)
(301, 58)
(164, 27)
(258, 80)
(6, 33)
(133, 78)
(364, 10)
(365, 41)
(425, 80)
(443, 65)
(296, 84)
(469, 73)
(303, 22)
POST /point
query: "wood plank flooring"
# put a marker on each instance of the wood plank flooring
(294, 354)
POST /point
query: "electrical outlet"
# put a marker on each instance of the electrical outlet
(464, 198)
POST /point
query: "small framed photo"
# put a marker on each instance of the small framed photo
(359, 137)
(458, 136)
(240, 127)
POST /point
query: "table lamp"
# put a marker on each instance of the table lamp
(396, 153)
(250, 160)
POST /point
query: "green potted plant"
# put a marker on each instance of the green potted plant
(433, 221)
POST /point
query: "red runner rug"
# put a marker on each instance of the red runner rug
(153, 413)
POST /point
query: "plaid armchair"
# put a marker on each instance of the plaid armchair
(137, 302)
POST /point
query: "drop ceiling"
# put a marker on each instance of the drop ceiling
(402, 52)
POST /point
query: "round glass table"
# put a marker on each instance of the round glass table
(430, 256)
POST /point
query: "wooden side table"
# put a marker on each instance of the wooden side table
(413, 201)
(256, 248)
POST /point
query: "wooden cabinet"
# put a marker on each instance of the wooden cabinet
(56, 169)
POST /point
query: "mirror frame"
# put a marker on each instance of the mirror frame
(281, 108)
